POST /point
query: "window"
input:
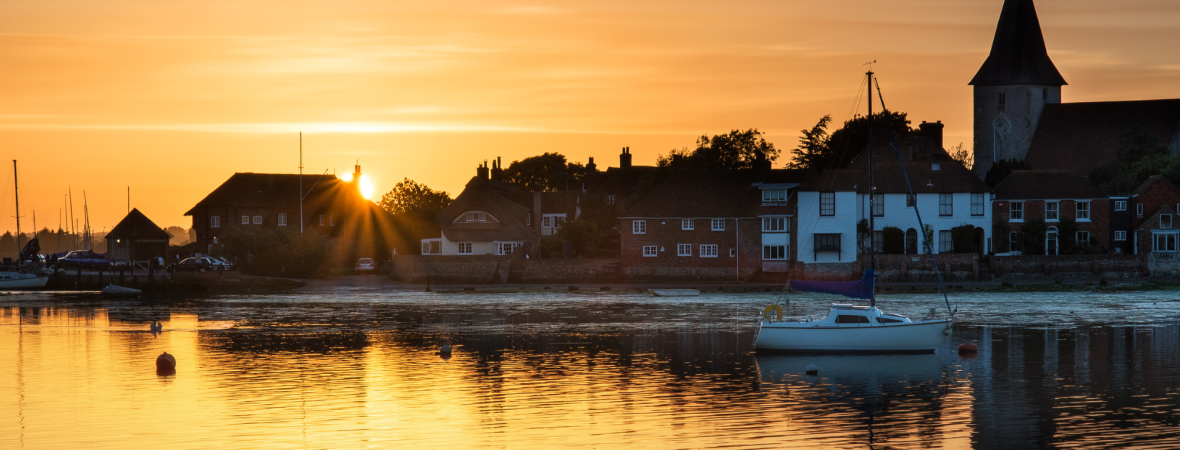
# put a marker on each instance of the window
(638, 227)
(946, 205)
(708, 250)
(774, 252)
(1000, 100)
(610, 199)
(245, 220)
(505, 248)
(1083, 238)
(911, 241)
(1051, 241)
(935, 167)
(528, 219)
(776, 246)
(321, 220)
(878, 205)
(1052, 210)
(552, 220)
(650, 251)
(718, 225)
(476, 216)
(215, 221)
(1083, 211)
(464, 248)
(1165, 221)
(946, 244)
(282, 219)
(827, 242)
(1013, 241)
(977, 204)
(1120, 205)
(1164, 242)
(1120, 235)
(1139, 209)
(687, 224)
(774, 195)
(1016, 212)
(851, 319)
(827, 203)
(732, 252)
(774, 224)
(431, 247)
(683, 249)
(331, 220)
(546, 221)
(257, 220)
(909, 200)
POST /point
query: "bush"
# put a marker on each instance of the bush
(894, 241)
(1032, 237)
(963, 238)
(274, 252)
(581, 234)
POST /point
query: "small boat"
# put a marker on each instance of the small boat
(120, 291)
(21, 280)
(673, 292)
(22, 275)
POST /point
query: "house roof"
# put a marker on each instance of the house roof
(1150, 181)
(1080, 136)
(950, 177)
(268, 190)
(1018, 54)
(709, 193)
(1153, 222)
(137, 225)
(1046, 184)
(483, 195)
(618, 179)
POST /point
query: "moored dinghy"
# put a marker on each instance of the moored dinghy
(673, 292)
(120, 291)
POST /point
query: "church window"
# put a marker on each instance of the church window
(1000, 102)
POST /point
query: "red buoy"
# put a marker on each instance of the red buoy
(165, 364)
(968, 347)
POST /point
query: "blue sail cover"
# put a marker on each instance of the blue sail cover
(856, 289)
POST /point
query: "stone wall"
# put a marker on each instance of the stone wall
(1069, 266)
(476, 269)
(915, 268)
(589, 270)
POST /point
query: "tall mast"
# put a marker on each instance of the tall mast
(16, 193)
(300, 182)
(872, 195)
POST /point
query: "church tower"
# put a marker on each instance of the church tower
(1012, 88)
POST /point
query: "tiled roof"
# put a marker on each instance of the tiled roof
(1018, 53)
(708, 193)
(1150, 181)
(484, 195)
(950, 177)
(268, 190)
(1080, 136)
(1046, 184)
(137, 225)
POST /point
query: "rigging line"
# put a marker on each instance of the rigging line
(4, 195)
(917, 212)
(829, 176)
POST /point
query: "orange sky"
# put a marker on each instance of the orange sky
(172, 98)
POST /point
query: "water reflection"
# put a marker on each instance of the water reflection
(543, 372)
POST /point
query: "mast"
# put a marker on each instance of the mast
(300, 182)
(872, 195)
(16, 193)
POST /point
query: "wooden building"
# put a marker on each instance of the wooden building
(136, 238)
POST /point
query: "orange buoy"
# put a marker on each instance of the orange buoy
(165, 364)
(968, 347)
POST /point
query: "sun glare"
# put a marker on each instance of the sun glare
(366, 186)
(346, 177)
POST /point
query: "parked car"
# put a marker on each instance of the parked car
(83, 259)
(222, 262)
(366, 265)
(193, 264)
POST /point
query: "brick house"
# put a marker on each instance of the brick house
(1158, 236)
(1144, 204)
(615, 184)
(709, 223)
(1051, 196)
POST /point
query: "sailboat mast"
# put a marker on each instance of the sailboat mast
(872, 194)
(16, 193)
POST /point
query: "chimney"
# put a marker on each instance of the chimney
(590, 166)
(933, 133)
(497, 171)
(482, 170)
(761, 164)
(625, 158)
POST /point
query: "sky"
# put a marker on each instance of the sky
(169, 99)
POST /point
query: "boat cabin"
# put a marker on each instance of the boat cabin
(843, 314)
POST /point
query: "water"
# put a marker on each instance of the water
(358, 367)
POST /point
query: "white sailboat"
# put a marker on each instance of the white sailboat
(856, 329)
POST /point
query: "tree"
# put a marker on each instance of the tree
(545, 172)
(1002, 168)
(962, 155)
(819, 151)
(894, 240)
(736, 150)
(408, 196)
(579, 233)
(963, 238)
(813, 146)
(1032, 237)
(1067, 235)
(1139, 156)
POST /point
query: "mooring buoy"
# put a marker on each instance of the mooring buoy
(812, 369)
(165, 364)
(968, 347)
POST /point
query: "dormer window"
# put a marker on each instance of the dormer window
(476, 216)
(1165, 221)
(774, 195)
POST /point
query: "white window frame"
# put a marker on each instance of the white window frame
(877, 206)
(1082, 210)
(282, 219)
(638, 227)
(687, 224)
(651, 251)
(732, 252)
(504, 248)
(475, 216)
(1120, 205)
(465, 248)
(946, 205)
(717, 225)
(546, 221)
(977, 203)
(1120, 235)
(683, 249)
(257, 220)
(708, 250)
(1169, 241)
(784, 248)
(1078, 237)
(1016, 209)
(776, 224)
(1165, 221)
(246, 220)
(214, 221)
(610, 199)
(1139, 209)
(321, 220)
(774, 195)
(827, 199)
(946, 242)
(432, 244)
(1055, 210)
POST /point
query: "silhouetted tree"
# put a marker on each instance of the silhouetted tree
(819, 151)
(1139, 156)
(736, 150)
(1002, 168)
(408, 196)
(545, 172)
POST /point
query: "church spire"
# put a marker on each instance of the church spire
(1018, 53)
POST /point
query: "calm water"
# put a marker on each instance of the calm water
(354, 368)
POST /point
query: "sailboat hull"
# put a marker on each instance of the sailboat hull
(11, 280)
(916, 337)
